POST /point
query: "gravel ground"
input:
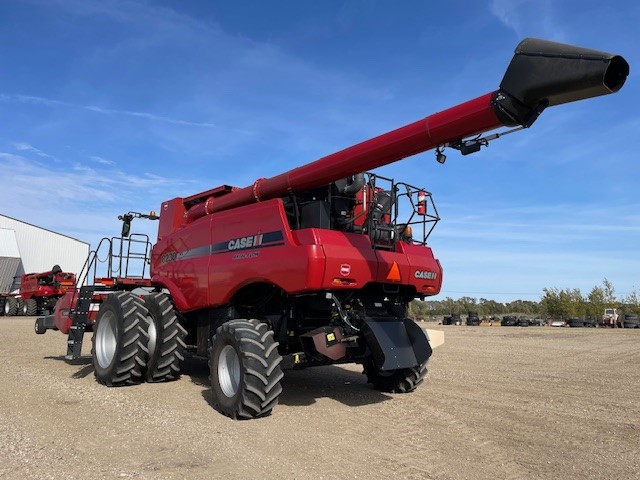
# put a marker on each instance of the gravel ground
(498, 403)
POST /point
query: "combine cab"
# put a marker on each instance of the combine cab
(315, 266)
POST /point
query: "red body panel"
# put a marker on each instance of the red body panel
(206, 262)
(172, 214)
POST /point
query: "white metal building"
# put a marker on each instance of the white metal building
(25, 248)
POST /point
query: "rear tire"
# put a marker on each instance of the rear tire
(245, 369)
(403, 380)
(161, 339)
(116, 351)
(10, 306)
(30, 307)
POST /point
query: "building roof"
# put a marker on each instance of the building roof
(41, 228)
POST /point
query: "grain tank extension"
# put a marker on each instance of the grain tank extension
(317, 265)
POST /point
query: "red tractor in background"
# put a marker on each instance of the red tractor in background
(39, 292)
(315, 266)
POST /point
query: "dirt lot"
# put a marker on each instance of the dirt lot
(500, 403)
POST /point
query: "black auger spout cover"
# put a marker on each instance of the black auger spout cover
(544, 73)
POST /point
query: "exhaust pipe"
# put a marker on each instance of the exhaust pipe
(544, 73)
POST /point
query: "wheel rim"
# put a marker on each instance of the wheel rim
(229, 371)
(106, 340)
(7, 307)
(153, 335)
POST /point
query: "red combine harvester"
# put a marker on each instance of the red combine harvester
(315, 266)
(39, 292)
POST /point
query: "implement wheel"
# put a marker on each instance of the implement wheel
(403, 380)
(30, 307)
(117, 354)
(245, 369)
(10, 306)
(162, 339)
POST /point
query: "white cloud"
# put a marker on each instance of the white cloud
(6, 97)
(101, 160)
(81, 201)
(528, 18)
(25, 147)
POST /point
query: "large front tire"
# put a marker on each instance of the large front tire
(162, 339)
(116, 352)
(30, 307)
(11, 306)
(403, 380)
(245, 369)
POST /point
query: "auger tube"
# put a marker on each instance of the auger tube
(541, 74)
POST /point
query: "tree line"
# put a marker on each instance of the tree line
(554, 302)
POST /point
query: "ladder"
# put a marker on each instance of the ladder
(80, 318)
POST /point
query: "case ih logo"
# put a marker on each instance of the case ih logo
(345, 269)
(245, 242)
(425, 275)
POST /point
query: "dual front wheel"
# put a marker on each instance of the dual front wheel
(12, 306)
(136, 340)
(18, 306)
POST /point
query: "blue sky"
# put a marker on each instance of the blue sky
(110, 106)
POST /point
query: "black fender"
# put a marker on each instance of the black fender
(396, 343)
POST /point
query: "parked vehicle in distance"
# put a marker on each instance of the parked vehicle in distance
(473, 319)
(38, 292)
(509, 321)
(611, 318)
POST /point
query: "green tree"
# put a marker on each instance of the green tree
(609, 294)
(577, 303)
(596, 299)
(632, 301)
(551, 303)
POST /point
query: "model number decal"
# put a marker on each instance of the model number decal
(168, 257)
(425, 275)
(245, 255)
